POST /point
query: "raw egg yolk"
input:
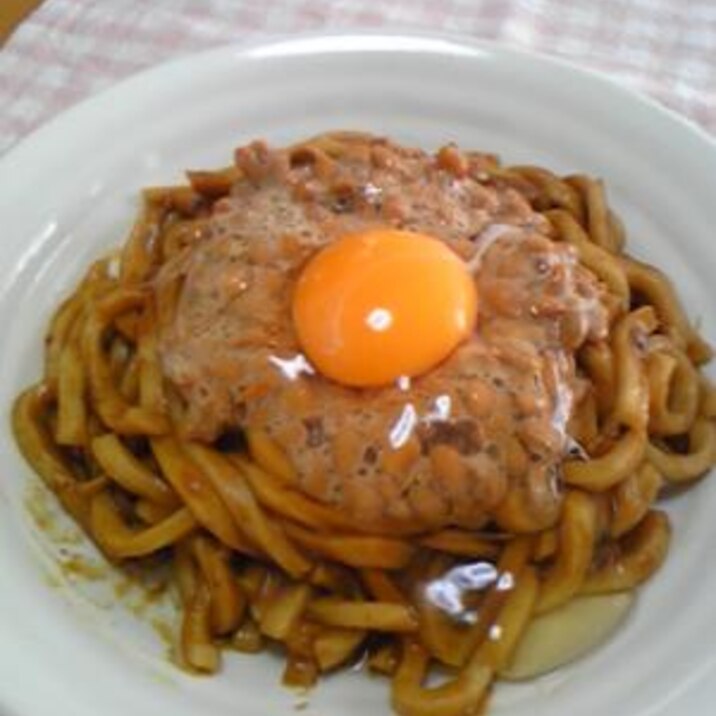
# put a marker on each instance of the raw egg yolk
(378, 305)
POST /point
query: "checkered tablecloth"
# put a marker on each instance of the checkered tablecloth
(68, 49)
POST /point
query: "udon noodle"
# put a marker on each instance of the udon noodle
(263, 537)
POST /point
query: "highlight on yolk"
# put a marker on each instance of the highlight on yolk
(377, 305)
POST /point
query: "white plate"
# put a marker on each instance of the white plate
(69, 191)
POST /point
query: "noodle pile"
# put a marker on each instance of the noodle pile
(254, 559)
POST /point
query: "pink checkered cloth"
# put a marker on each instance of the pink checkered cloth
(68, 49)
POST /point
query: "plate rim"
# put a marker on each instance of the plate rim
(277, 41)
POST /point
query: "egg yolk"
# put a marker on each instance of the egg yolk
(378, 305)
